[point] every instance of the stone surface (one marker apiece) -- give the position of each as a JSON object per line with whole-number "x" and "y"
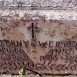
{"x": 31, "y": 75}
{"x": 36, "y": 43}
{"x": 38, "y": 4}
{"x": 38, "y": 39}
{"x": 39, "y": 14}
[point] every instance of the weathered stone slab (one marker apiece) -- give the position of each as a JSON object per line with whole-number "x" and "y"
{"x": 37, "y": 44}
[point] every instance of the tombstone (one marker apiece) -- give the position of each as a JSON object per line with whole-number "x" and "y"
{"x": 41, "y": 41}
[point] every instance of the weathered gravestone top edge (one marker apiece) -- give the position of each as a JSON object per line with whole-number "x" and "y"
{"x": 38, "y": 4}
{"x": 39, "y": 14}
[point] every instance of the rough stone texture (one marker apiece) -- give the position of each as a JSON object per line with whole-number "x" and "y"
{"x": 22, "y": 46}
{"x": 40, "y": 40}
{"x": 38, "y": 4}
{"x": 34, "y": 76}
{"x": 39, "y": 14}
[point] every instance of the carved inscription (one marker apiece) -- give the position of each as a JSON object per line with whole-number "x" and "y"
{"x": 13, "y": 57}
{"x": 33, "y": 29}
{"x": 65, "y": 51}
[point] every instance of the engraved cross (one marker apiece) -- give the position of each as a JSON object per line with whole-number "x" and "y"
{"x": 33, "y": 29}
